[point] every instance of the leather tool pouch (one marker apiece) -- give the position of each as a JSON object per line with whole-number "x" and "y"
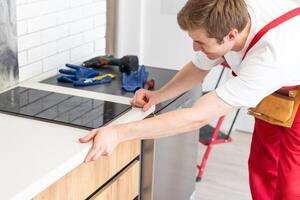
{"x": 279, "y": 108}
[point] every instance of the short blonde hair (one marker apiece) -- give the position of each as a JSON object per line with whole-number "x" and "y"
{"x": 217, "y": 17}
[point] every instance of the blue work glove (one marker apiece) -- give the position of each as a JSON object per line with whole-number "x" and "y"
{"x": 76, "y": 73}
{"x": 82, "y": 76}
{"x": 135, "y": 80}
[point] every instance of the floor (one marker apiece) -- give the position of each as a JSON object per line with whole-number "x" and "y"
{"x": 226, "y": 174}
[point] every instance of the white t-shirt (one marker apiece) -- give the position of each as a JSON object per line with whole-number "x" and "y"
{"x": 272, "y": 63}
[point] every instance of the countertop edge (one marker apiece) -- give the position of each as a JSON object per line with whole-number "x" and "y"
{"x": 48, "y": 179}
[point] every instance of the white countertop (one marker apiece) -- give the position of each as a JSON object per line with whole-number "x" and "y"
{"x": 34, "y": 154}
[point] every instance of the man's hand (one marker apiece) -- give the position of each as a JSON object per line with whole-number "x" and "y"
{"x": 145, "y": 99}
{"x": 104, "y": 139}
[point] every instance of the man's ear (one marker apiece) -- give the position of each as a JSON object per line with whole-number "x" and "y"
{"x": 232, "y": 35}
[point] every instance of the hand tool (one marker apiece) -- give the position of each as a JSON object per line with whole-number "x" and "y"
{"x": 102, "y": 79}
{"x": 126, "y": 63}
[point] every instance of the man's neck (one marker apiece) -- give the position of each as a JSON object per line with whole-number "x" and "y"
{"x": 242, "y": 38}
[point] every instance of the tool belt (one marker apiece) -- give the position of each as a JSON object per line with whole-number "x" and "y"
{"x": 279, "y": 108}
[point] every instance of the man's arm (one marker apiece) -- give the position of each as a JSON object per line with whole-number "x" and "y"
{"x": 184, "y": 80}
{"x": 206, "y": 109}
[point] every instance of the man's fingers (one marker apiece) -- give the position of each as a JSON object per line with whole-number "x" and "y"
{"x": 89, "y": 136}
{"x": 88, "y": 156}
{"x": 103, "y": 144}
{"x": 147, "y": 106}
{"x": 141, "y": 100}
{"x": 138, "y": 103}
{"x": 92, "y": 152}
{"x": 133, "y": 100}
{"x": 96, "y": 150}
{"x": 98, "y": 154}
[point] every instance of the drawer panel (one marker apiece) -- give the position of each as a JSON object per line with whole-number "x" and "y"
{"x": 88, "y": 177}
{"x": 125, "y": 186}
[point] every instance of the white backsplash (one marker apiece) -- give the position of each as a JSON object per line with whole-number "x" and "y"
{"x": 54, "y": 32}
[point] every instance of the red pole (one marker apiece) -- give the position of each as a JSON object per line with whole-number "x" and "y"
{"x": 208, "y": 149}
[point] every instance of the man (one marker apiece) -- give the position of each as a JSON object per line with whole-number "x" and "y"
{"x": 221, "y": 31}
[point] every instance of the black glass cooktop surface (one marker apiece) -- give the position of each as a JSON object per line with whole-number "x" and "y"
{"x": 60, "y": 108}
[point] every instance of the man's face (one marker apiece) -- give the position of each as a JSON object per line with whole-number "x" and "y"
{"x": 209, "y": 46}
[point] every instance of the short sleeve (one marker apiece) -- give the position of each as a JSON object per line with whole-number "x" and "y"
{"x": 202, "y": 62}
{"x": 257, "y": 77}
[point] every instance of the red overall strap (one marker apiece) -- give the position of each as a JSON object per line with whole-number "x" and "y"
{"x": 271, "y": 25}
{"x": 264, "y": 30}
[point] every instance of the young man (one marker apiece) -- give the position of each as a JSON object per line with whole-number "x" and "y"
{"x": 222, "y": 30}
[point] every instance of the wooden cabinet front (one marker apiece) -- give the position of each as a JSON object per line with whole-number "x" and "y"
{"x": 125, "y": 186}
{"x": 88, "y": 177}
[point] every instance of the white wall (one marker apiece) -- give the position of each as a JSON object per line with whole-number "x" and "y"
{"x": 164, "y": 44}
{"x": 54, "y": 32}
{"x": 129, "y": 27}
{"x": 142, "y": 29}
{"x": 149, "y": 29}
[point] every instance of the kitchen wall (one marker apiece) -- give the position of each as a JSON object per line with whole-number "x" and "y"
{"x": 54, "y": 32}
{"x": 129, "y": 31}
{"x": 8, "y": 44}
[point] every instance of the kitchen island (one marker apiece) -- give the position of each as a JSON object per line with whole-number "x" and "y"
{"x": 41, "y": 155}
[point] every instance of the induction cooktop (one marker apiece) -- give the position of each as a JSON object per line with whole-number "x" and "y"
{"x": 60, "y": 108}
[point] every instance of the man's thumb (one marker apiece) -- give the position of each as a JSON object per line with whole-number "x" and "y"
{"x": 147, "y": 106}
{"x": 89, "y": 136}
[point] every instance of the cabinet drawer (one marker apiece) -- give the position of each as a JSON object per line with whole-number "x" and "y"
{"x": 88, "y": 177}
{"x": 125, "y": 186}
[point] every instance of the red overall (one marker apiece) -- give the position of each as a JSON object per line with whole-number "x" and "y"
{"x": 274, "y": 162}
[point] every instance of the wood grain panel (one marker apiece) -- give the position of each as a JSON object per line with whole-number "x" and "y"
{"x": 88, "y": 177}
{"x": 125, "y": 186}
{"x": 111, "y": 17}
